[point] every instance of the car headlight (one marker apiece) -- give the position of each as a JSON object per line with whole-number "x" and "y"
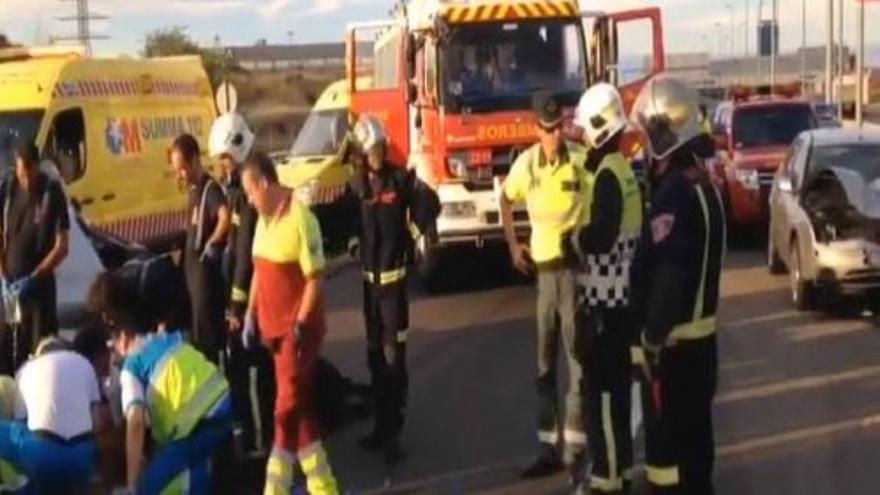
{"x": 459, "y": 209}
{"x": 748, "y": 178}
{"x": 306, "y": 193}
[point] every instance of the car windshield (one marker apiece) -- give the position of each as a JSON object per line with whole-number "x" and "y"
{"x": 493, "y": 67}
{"x": 322, "y": 133}
{"x": 15, "y": 126}
{"x": 863, "y": 158}
{"x": 770, "y": 125}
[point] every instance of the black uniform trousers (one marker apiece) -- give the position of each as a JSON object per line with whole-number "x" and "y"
{"x": 251, "y": 374}
{"x": 39, "y": 319}
{"x": 386, "y": 312}
{"x": 204, "y": 283}
{"x": 608, "y": 385}
{"x": 680, "y": 447}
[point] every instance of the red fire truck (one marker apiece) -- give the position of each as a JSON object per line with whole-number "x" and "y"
{"x": 453, "y": 80}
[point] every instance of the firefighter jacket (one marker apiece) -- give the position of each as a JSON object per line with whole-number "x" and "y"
{"x": 239, "y": 243}
{"x": 680, "y": 256}
{"x": 608, "y": 242}
{"x": 390, "y": 202}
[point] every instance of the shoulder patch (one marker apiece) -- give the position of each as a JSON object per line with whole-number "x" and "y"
{"x": 661, "y": 227}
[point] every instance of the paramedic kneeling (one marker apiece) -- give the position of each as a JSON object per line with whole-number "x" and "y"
{"x": 167, "y": 380}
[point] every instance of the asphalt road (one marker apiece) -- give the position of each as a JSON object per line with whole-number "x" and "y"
{"x": 798, "y": 409}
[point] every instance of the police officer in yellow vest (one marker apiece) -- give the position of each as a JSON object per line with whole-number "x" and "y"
{"x": 676, "y": 291}
{"x": 167, "y": 380}
{"x": 607, "y": 246}
{"x": 550, "y": 178}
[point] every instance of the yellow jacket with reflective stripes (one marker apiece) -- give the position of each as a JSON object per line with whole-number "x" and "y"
{"x": 184, "y": 387}
{"x": 555, "y": 193}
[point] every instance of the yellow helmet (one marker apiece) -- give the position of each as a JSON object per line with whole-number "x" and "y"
{"x": 667, "y": 115}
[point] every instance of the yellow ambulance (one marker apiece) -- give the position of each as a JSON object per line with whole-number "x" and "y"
{"x": 108, "y": 123}
{"x": 314, "y": 167}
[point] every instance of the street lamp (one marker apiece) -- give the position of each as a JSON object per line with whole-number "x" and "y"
{"x": 860, "y": 65}
{"x": 803, "y": 47}
{"x": 732, "y": 29}
{"x": 829, "y": 51}
{"x": 719, "y": 33}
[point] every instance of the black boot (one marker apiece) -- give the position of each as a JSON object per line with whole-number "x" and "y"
{"x": 393, "y": 451}
{"x": 546, "y": 464}
{"x": 373, "y": 442}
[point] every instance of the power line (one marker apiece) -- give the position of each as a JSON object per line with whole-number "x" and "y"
{"x": 83, "y": 18}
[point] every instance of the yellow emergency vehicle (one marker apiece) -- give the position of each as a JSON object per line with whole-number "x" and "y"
{"x": 314, "y": 167}
{"x": 108, "y": 123}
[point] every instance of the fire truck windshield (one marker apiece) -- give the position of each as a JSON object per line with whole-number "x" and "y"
{"x": 321, "y": 134}
{"x": 493, "y": 67}
{"x": 15, "y": 126}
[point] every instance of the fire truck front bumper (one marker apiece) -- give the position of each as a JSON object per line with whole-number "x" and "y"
{"x": 470, "y": 216}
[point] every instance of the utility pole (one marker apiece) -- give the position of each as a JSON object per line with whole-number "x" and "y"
{"x": 860, "y": 66}
{"x": 829, "y": 51}
{"x": 760, "y": 57}
{"x": 746, "y": 33}
{"x": 841, "y": 57}
{"x": 732, "y": 30}
{"x": 774, "y": 43}
{"x": 803, "y": 47}
{"x": 83, "y": 19}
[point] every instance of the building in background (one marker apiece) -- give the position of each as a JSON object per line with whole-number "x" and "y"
{"x": 306, "y": 56}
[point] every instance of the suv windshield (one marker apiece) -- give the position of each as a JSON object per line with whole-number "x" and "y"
{"x": 496, "y": 67}
{"x": 770, "y": 125}
{"x": 14, "y": 126}
{"x": 858, "y": 157}
{"x": 322, "y": 133}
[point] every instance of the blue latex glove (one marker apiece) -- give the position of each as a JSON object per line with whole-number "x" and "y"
{"x": 212, "y": 253}
{"x": 21, "y": 287}
{"x": 249, "y": 332}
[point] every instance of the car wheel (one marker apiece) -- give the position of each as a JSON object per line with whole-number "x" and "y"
{"x": 774, "y": 263}
{"x": 801, "y": 289}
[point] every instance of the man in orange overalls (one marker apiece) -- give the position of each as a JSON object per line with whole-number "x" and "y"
{"x": 286, "y": 301}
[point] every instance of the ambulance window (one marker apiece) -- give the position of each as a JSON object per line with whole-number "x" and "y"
{"x": 634, "y": 50}
{"x": 66, "y": 145}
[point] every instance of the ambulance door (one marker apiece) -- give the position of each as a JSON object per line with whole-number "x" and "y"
{"x": 387, "y": 94}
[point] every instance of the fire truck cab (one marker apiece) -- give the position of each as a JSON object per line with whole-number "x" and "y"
{"x": 453, "y": 81}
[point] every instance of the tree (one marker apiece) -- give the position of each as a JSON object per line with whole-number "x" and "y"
{"x": 174, "y": 41}
{"x": 4, "y": 41}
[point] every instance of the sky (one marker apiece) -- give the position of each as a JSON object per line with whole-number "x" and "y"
{"x": 691, "y": 25}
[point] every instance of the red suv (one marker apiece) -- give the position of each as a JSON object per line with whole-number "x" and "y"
{"x": 753, "y": 138}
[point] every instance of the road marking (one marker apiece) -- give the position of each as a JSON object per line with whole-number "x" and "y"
{"x": 799, "y": 435}
{"x": 797, "y": 384}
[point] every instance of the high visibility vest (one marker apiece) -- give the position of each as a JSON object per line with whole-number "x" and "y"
{"x": 183, "y": 389}
{"x": 608, "y": 274}
{"x": 555, "y": 198}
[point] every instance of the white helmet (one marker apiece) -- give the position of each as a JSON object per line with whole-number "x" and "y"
{"x": 369, "y": 132}
{"x": 666, "y": 113}
{"x": 600, "y": 114}
{"x": 230, "y": 135}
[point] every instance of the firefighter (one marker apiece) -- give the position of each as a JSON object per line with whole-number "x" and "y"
{"x": 676, "y": 289}
{"x": 166, "y": 385}
{"x": 250, "y": 372}
{"x": 607, "y": 246}
{"x": 34, "y": 226}
{"x": 391, "y": 201}
{"x": 286, "y": 302}
{"x": 551, "y": 179}
{"x": 206, "y": 230}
